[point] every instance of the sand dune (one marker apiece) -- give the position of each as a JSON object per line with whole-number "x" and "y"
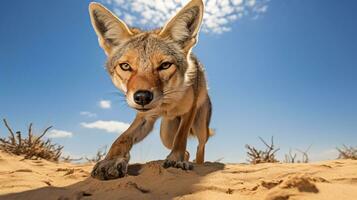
{"x": 40, "y": 179}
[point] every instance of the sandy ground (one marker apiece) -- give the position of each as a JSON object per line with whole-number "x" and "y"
{"x": 40, "y": 179}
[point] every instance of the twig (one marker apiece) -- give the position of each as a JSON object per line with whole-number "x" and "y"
{"x": 44, "y": 132}
{"x": 12, "y": 138}
{"x": 30, "y": 134}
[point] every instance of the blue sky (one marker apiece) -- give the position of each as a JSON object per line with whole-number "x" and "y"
{"x": 289, "y": 71}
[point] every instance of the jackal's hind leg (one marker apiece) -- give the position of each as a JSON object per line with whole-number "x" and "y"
{"x": 178, "y": 151}
{"x": 168, "y": 130}
{"x": 201, "y": 130}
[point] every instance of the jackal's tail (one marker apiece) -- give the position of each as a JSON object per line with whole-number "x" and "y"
{"x": 211, "y": 132}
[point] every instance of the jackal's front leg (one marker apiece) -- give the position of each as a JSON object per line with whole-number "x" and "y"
{"x": 177, "y": 156}
{"x": 115, "y": 164}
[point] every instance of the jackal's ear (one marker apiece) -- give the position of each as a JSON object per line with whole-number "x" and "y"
{"x": 185, "y": 25}
{"x": 110, "y": 29}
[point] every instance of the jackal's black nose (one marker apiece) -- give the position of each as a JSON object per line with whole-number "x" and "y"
{"x": 143, "y": 97}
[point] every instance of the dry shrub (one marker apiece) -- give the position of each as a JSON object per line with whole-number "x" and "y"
{"x": 99, "y": 156}
{"x": 262, "y": 156}
{"x": 101, "y": 153}
{"x": 347, "y": 152}
{"x": 305, "y": 155}
{"x": 291, "y": 157}
{"x": 32, "y": 147}
{"x": 69, "y": 159}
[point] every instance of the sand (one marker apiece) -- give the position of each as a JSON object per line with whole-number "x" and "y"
{"x": 40, "y": 179}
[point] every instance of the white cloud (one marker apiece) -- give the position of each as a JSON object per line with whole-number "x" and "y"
{"x": 219, "y": 14}
{"x": 59, "y": 134}
{"x": 262, "y": 9}
{"x": 88, "y": 114}
{"x": 105, "y": 104}
{"x": 108, "y": 126}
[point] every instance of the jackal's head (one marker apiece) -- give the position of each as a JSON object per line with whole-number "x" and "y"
{"x": 152, "y": 68}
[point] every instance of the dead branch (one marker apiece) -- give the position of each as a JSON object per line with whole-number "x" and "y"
{"x": 219, "y": 159}
{"x": 30, "y": 134}
{"x": 44, "y": 133}
{"x": 12, "y": 136}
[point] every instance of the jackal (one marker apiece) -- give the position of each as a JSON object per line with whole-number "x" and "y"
{"x": 160, "y": 77}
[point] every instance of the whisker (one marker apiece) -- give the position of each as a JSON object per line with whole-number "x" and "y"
{"x": 173, "y": 89}
{"x": 117, "y": 94}
{"x": 173, "y": 92}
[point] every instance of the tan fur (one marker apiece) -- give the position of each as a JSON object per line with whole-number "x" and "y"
{"x": 180, "y": 94}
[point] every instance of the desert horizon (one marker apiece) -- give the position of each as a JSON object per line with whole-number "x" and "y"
{"x": 31, "y": 168}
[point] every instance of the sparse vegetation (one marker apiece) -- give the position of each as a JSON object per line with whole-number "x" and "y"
{"x": 69, "y": 159}
{"x": 347, "y": 152}
{"x": 99, "y": 156}
{"x": 262, "y": 156}
{"x": 305, "y": 156}
{"x": 101, "y": 153}
{"x": 292, "y": 157}
{"x": 31, "y": 147}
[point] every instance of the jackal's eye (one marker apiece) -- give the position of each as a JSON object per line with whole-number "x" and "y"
{"x": 165, "y": 65}
{"x": 125, "y": 66}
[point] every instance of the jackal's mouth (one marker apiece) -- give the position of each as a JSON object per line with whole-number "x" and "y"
{"x": 143, "y": 109}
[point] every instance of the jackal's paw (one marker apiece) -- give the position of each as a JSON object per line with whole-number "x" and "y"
{"x": 185, "y": 165}
{"x": 110, "y": 169}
